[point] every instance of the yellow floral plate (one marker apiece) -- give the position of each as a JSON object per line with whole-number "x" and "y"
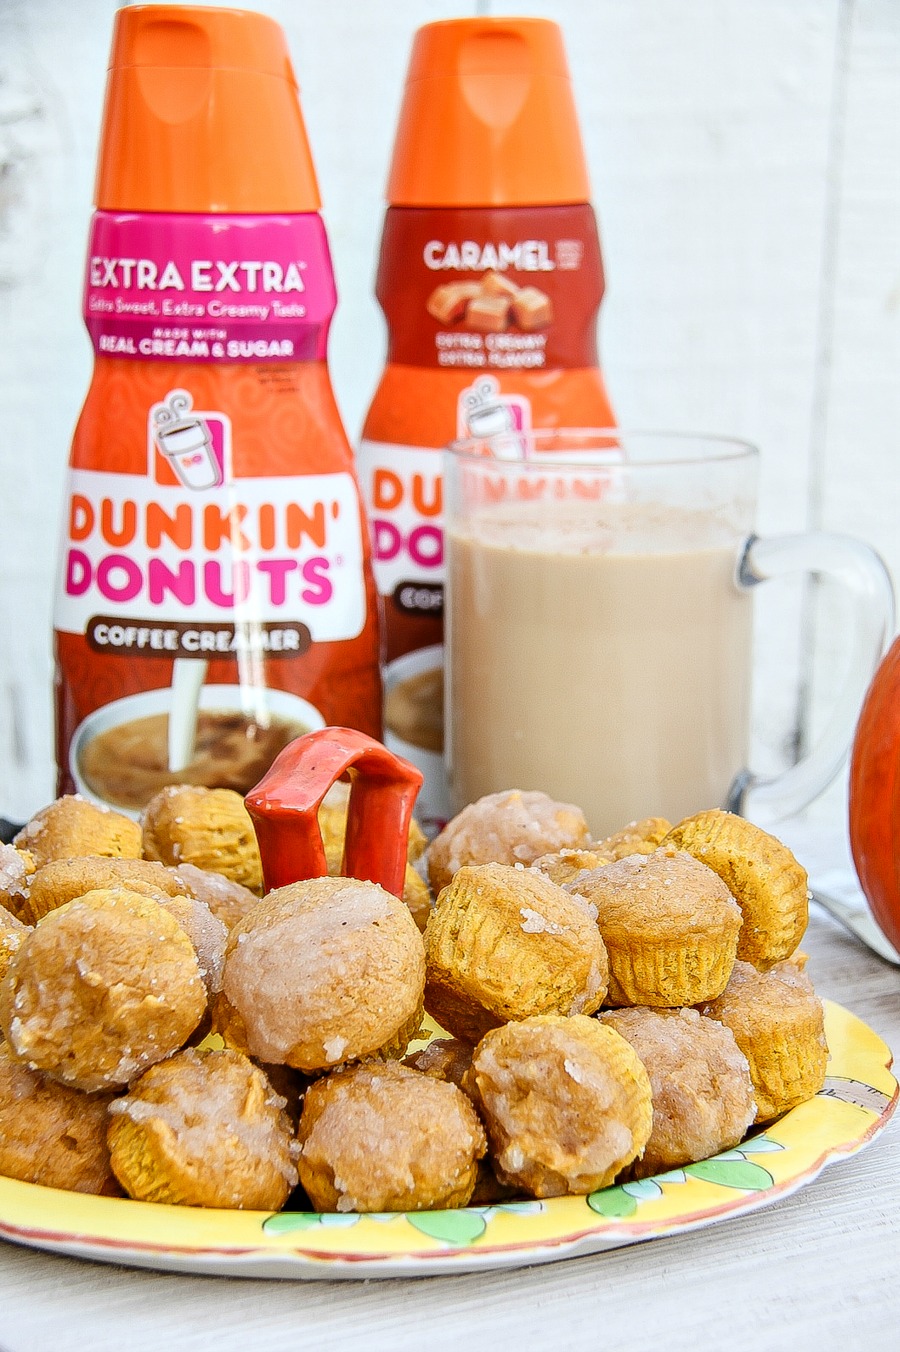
{"x": 858, "y": 1098}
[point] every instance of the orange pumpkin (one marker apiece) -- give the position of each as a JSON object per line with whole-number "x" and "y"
{"x": 875, "y": 795}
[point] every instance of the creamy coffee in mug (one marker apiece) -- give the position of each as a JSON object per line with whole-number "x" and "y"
{"x": 599, "y": 631}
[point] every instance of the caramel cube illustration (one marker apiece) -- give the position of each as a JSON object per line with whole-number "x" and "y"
{"x": 532, "y": 309}
{"x": 448, "y": 303}
{"x": 495, "y": 284}
{"x": 488, "y": 314}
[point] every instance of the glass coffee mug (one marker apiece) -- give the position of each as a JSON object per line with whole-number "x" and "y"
{"x": 599, "y": 624}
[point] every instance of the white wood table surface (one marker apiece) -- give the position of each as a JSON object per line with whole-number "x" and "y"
{"x": 819, "y": 1270}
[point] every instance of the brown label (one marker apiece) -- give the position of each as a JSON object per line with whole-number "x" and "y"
{"x": 119, "y": 636}
{"x": 418, "y": 598}
{"x": 494, "y": 289}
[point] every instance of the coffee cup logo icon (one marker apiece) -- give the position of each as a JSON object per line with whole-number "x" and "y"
{"x": 483, "y": 411}
{"x": 486, "y": 412}
{"x": 183, "y": 437}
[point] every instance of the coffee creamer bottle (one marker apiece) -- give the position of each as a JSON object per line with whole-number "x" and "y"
{"x": 490, "y": 278}
{"x": 215, "y": 595}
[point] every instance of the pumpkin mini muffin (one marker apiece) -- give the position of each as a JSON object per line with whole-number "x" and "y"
{"x": 16, "y": 870}
{"x": 210, "y": 828}
{"x": 565, "y": 1103}
{"x": 670, "y": 926}
{"x": 207, "y": 934}
{"x": 204, "y": 1128}
{"x": 763, "y": 876}
{"x": 63, "y": 880}
{"x": 100, "y": 989}
{"x": 504, "y": 828}
{"x": 636, "y": 838}
{"x": 229, "y": 901}
{"x": 52, "y": 1135}
{"x": 506, "y": 943}
{"x": 72, "y": 826}
{"x": 12, "y": 936}
{"x": 640, "y": 837}
{"x": 702, "y": 1093}
{"x": 383, "y": 1137}
{"x": 779, "y": 1024}
{"x": 564, "y": 866}
{"x": 321, "y": 972}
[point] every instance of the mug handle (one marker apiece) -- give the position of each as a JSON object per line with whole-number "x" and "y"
{"x": 862, "y": 573}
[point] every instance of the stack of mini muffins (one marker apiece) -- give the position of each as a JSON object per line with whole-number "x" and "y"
{"x": 614, "y": 1008}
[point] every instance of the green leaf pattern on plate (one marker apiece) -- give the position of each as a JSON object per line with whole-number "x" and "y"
{"x": 286, "y": 1222}
{"x": 731, "y": 1169}
{"x": 642, "y": 1188}
{"x": 759, "y": 1145}
{"x": 614, "y": 1203}
{"x": 530, "y": 1206}
{"x": 463, "y": 1226}
{"x": 742, "y": 1174}
{"x": 455, "y": 1227}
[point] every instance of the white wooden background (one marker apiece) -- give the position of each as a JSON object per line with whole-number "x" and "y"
{"x": 745, "y": 160}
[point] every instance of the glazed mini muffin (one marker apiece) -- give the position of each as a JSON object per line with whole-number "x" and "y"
{"x": 446, "y": 1058}
{"x": 209, "y": 828}
{"x": 63, "y": 880}
{"x": 506, "y": 943}
{"x": 779, "y": 1024}
{"x": 565, "y": 1103}
{"x": 52, "y": 1135}
{"x": 763, "y": 876}
{"x": 101, "y": 989}
{"x": 504, "y": 828}
{"x": 641, "y": 837}
{"x": 207, "y": 934}
{"x": 636, "y": 838}
{"x": 16, "y": 870}
{"x": 229, "y": 901}
{"x": 12, "y": 935}
{"x": 72, "y": 826}
{"x": 702, "y": 1093}
{"x": 204, "y": 1128}
{"x": 564, "y": 866}
{"x": 383, "y": 1137}
{"x": 322, "y": 972}
{"x": 670, "y": 926}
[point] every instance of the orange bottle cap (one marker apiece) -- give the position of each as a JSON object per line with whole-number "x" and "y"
{"x": 202, "y": 114}
{"x": 488, "y": 118}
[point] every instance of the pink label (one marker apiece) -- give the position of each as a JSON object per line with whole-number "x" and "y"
{"x": 209, "y": 288}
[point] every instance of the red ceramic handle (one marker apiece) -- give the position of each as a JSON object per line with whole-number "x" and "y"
{"x": 285, "y": 806}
